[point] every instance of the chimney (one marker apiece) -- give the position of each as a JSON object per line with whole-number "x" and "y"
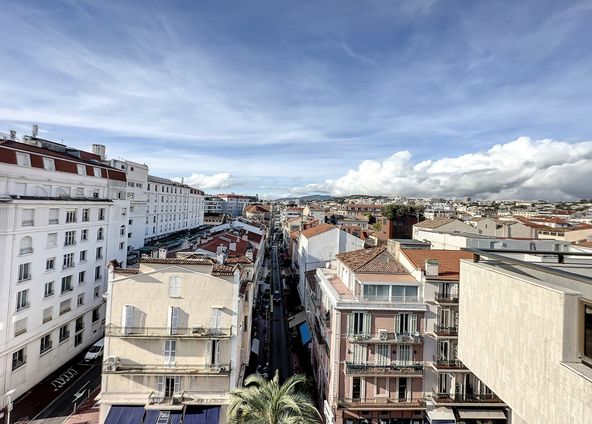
{"x": 13, "y": 135}
{"x": 232, "y": 246}
{"x": 162, "y": 253}
{"x": 249, "y": 253}
{"x": 35, "y": 130}
{"x": 99, "y": 150}
{"x": 221, "y": 254}
{"x": 432, "y": 268}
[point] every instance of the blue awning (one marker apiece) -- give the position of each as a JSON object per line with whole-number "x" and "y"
{"x": 152, "y": 416}
{"x": 125, "y": 415}
{"x": 202, "y": 415}
{"x": 305, "y": 333}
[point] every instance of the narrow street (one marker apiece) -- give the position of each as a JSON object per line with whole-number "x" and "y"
{"x": 280, "y": 349}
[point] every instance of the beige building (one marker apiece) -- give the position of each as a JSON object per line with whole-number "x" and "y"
{"x": 177, "y": 337}
{"x": 534, "y": 320}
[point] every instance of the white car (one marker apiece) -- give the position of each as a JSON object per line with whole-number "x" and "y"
{"x": 95, "y": 351}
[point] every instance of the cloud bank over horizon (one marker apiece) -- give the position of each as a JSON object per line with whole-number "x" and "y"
{"x": 520, "y": 169}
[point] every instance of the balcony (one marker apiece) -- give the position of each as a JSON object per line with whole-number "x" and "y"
{"x": 380, "y": 403}
{"x": 446, "y": 330}
{"x": 446, "y": 298}
{"x": 448, "y": 364}
{"x": 385, "y": 337}
{"x": 128, "y": 367}
{"x": 400, "y": 368}
{"x": 472, "y": 398}
{"x": 149, "y": 332}
{"x": 390, "y": 299}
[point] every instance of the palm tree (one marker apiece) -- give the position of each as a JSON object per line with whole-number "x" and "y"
{"x": 267, "y": 402}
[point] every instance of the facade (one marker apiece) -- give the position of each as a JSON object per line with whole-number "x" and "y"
{"x": 534, "y": 320}
{"x": 184, "y": 352}
{"x": 442, "y": 225}
{"x": 172, "y": 207}
{"x": 61, "y": 210}
{"x": 234, "y": 204}
{"x": 257, "y": 213}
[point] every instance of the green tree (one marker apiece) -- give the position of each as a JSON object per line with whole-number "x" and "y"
{"x": 393, "y": 211}
{"x": 269, "y": 402}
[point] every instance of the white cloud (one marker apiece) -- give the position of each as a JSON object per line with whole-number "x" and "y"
{"x": 208, "y": 182}
{"x": 523, "y": 168}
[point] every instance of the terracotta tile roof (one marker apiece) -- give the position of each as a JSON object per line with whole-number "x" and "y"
{"x": 256, "y": 209}
{"x": 176, "y": 261}
{"x": 220, "y": 269}
{"x": 449, "y": 260}
{"x": 584, "y": 244}
{"x": 434, "y": 223}
{"x": 238, "y": 260}
{"x": 294, "y": 234}
{"x": 319, "y": 229}
{"x": 376, "y": 260}
{"x": 126, "y": 270}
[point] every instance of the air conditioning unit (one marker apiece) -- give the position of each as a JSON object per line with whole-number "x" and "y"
{"x": 112, "y": 360}
{"x": 383, "y": 334}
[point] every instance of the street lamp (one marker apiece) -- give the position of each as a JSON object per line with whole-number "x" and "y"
{"x": 9, "y": 405}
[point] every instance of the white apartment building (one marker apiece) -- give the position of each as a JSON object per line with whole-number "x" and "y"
{"x": 58, "y": 228}
{"x": 183, "y": 353}
{"x": 234, "y": 204}
{"x": 172, "y": 207}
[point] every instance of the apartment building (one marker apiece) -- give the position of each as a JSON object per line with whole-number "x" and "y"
{"x": 534, "y": 320}
{"x": 179, "y": 357}
{"x": 367, "y": 316}
{"x": 172, "y": 207}
{"x": 60, "y": 215}
{"x": 234, "y": 204}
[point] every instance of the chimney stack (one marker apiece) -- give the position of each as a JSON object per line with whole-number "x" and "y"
{"x": 99, "y": 150}
{"x": 13, "y": 135}
{"x": 432, "y": 268}
{"x": 162, "y": 253}
{"x": 35, "y": 130}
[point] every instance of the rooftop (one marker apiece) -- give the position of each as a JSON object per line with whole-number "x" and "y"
{"x": 319, "y": 229}
{"x": 376, "y": 260}
{"x": 434, "y": 223}
{"x": 449, "y": 261}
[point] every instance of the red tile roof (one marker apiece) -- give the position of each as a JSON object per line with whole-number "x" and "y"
{"x": 319, "y": 229}
{"x": 449, "y": 261}
{"x": 376, "y": 260}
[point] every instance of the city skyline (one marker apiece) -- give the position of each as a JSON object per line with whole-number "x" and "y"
{"x": 416, "y": 98}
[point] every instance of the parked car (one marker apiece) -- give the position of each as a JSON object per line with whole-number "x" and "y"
{"x": 95, "y": 351}
{"x": 276, "y": 296}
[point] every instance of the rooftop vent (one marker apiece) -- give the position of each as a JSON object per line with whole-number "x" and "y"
{"x": 432, "y": 268}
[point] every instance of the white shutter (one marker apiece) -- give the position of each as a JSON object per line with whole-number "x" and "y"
{"x": 215, "y": 324}
{"x": 177, "y": 385}
{"x": 350, "y": 323}
{"x": 160, "y": 385}
{"x": 209, "y": 352}
{"x": 127, "y": 319}
{"x": 398, "y": 323}
{"x": 216, "y": 345}
{"x": 173, "y": 320}
{"x": 367, "y": 324}
{"x": 412, "y": 324}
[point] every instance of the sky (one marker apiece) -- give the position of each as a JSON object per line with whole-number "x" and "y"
{"x": 489, "y": 99}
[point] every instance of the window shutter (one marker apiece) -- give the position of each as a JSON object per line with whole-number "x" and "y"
{"x": 208, "y": 352}
{"x": 217, "y": 356}
{"x": 367, "y": 324}
{"x": 173, "y": 319}
{"x": 127, "y": 319}
{"x": 412, "y": 324}
{"x": 350, "y": 323}
{"x": 177, "y": 385}
{"x": 398, "y": 323}
{"x": 160, "y": 385}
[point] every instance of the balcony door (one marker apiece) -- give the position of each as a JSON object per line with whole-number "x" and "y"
{"x": 169, "y": 386}
{"x": 404, "y": 355}
{"x": 443, "y": 350}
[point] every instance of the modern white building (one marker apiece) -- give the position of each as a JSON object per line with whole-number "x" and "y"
{"x": 172, "y": 207}
{"x": 234, "y": 204}
{"x": 60, "y": 214}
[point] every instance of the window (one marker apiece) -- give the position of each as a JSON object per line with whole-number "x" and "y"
{"x": 356, "y": 388}
{"x": 100, "y": 233}
{"x": 382, "y": 354}
{"x": 19, "y": 358}
{"x": 28, "y": 217}
{"x": 47, "y": 314}
{"x": 214, "y": 352}
{"x": 48, "y": 164}
{"x": 78, "y": 339}
{"x": 54, "y": 216}
{"x": 121, "y": 245}
{"x": 85, "y": 214}
{"x": 359, "y": 323}
{"x": 101, "y": 214}
{"x": 175, "y": 286}
{"x": 404, "y": 354}
{"x": 95, "y": 194}
{"x": 170, "y": 351}
{"x": 167, "y": 387}
{"x": 52, "y": 239}
{"x": 50, "y": 264}
{"x": 24, "y": 272}
{"x": 96, "y": 314}
{"x": 79, "y": 191}
{"x": 402, "y": 389}
{"x": 68, "y": 260}
{"x": 64, "y": 333}
{"x": 80, "y": 300}
{"x": 123, "y": 211}
{"x": 79, "y": 324}
{"x": 122, "y": 230}
{"x": 99, "y": 253}
{"x": 23, "y": 159}
{"x": 81, "y": 169}
{"x": 588, "y": 333}
{"x": 70, "y": 216}
{"x": 97, "y": 172}
{"x": 26, "y": 246}
{"x": 65, "y": 306}
{"x": 67, "y": 284}
{"x": 82, "y": 255}
{"x": 173, "y": 320}
{"x": 20, "y": 327}
{"x": 83, "y": 235}
{"x": 216, "y": 319}
{"x": 48, "y": 289}
{"x": 81, "y": 276}
{"x": 22, "y": 300}
{"x": 70, "y": 238}
{"x": 97, "y": 273}
{"x": 406, "y": 323}
{"x": 45, "y": 344}
{"x": 97, "y": 292}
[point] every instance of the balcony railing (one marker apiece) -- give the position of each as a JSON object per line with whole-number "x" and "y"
{"x": 448, "y": 363}
{"x": 446, "y": 298}
{"x": 123, "y": 367}
{"x": 390, "y": 299}
{"x": 194, "y": 332}
{"x": 446, "y": 330}
{"x": 385, "y": 337}
{"x": 382, "y": 403}
{"x": 407, "y": 368}
{"x": 162, "y": 398}
{"x": 465, "y": 397}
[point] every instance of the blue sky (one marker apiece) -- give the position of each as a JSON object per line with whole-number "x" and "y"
{"x": 283, "y": 97}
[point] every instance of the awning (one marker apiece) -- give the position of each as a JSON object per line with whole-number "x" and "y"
{"x": 255, "y": 346}
{"x": 441, "y": 416}
{"x": 152, "y": 416}
{"x": 305, "y": 333}
{"x": 481, "y": 414}
{"x": 202, "y": 415}
{"x": 125, "y": 415}
{"x": 297, "y": 319}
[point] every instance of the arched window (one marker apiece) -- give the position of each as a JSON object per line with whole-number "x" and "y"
{"x": 122, "y": 230}
{"x": 26, "y": 245}
{"x": 100, "y": 234}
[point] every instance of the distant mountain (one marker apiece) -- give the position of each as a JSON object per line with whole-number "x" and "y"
{"x": 309, "y": 198}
